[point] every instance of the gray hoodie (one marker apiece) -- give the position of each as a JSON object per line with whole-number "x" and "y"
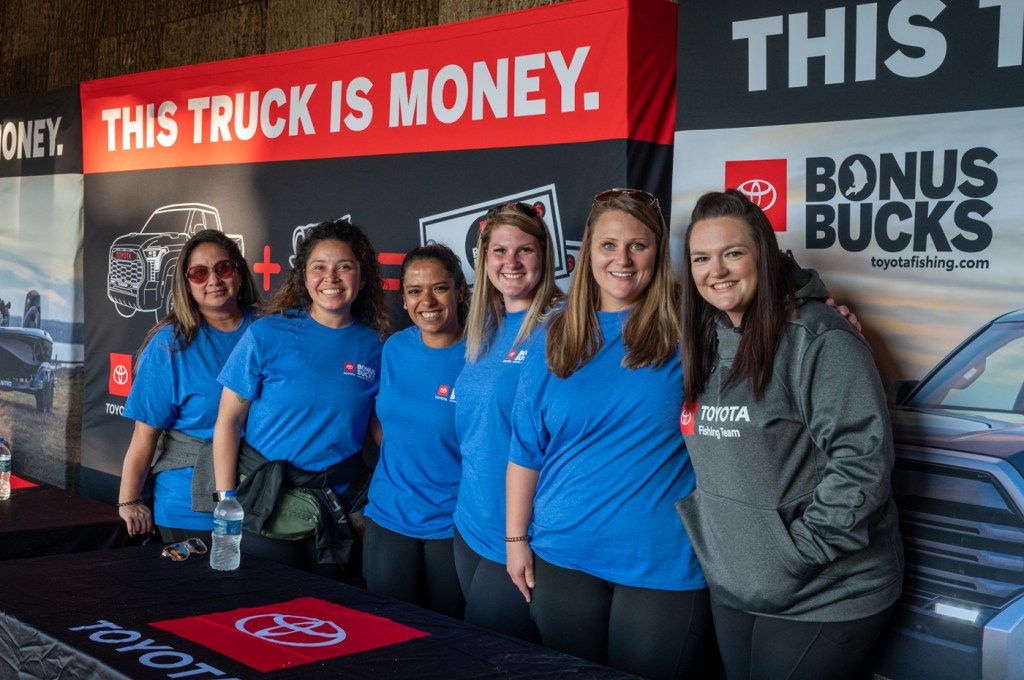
{"x": 792, "y": 515}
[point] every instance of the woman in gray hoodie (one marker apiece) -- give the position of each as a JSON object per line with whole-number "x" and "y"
{"x": 786, "y": 422}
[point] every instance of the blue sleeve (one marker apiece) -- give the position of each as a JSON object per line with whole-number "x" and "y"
{"x": 151, "y": 400}
{"x": 242, "y": 372}
{"x": 530, "y": 437}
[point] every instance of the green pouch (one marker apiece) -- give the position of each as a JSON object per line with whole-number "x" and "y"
{"x": 294, "y": 517}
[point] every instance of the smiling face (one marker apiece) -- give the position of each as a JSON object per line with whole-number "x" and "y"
{"x": 431, "y": 297}
{"x": 333, "y": 281}
{"x": 215, "y": 295}
{"x": 723, "y": 263}
{"x": 623, "y": 254}
{"x": 514, "y": 266}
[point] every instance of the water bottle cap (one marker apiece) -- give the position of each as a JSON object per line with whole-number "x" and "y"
{"x": 230, "y": 494}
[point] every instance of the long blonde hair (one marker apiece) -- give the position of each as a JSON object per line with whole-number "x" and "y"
{"x": 487, "y": 309}
{"x": 651, "y": 334}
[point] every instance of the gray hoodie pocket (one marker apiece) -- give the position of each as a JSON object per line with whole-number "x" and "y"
{"x": 748, "y": 557}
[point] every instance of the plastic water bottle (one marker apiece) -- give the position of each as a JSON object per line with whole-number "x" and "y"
{"x": 5, "y": 470}
{"x": 227, "y": 533}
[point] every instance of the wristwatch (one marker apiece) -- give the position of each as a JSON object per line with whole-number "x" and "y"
{"x": 218, "y": 496}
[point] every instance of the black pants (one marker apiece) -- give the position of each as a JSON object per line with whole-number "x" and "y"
{"x": 421, "y": 571}
{"x": 492, "y": 600}
{"x": 647, "y": 632}
{"x": 300, "y": 554}
{"x": 173, "y": 535}
{"x": 769, "y": 648}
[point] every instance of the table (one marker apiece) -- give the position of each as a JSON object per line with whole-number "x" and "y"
{"x": 130, "y": 613}
{"x": 41, "y": 519}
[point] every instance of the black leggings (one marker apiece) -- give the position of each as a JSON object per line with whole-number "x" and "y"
{"x": 769, "y": 648}
{"x": 300, "y": 554}
{"x": 421, "y": 571}
{"x": 492, "y": 600}
{"x": 647, "y": 632}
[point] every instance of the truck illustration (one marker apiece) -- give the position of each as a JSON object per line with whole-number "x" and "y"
{"x": 141, "y": 264}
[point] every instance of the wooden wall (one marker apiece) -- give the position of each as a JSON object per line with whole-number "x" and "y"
{"x": 47, "y": 44}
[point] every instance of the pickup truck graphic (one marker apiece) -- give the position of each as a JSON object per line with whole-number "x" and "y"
{"x": 141, "y": 264}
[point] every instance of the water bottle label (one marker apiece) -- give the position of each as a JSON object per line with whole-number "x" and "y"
{"x": 5, "y": 465}
{"x": 227, "y": 527}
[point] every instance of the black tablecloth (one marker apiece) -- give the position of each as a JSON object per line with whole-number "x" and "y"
{"x": 46, "y": 520}
{"x": 109, "y": 614}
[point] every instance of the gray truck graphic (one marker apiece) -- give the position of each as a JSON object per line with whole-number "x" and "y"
{"x": 141, "y": 264}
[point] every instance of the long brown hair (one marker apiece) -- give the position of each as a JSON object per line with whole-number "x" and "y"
{"x": 185, "y": 316}
{"x": 368, "y": 307}
{"x": 764, "y": 320}
{"x": 651, "y": 334}
{"x": 487, "y": 308}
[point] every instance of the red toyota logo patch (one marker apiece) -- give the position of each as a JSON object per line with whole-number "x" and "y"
{"x": 289, "y": 634}
{"x": 120, "y": 381}
{"x": 687, "y": 419}
{"x": 765, "y": 183}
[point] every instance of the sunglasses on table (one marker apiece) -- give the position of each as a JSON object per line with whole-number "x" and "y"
{"x": 180, "y": 551}
{"x": 201, "y": 273}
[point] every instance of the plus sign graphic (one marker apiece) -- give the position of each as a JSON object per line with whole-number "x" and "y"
{"x": 266, "y": 268}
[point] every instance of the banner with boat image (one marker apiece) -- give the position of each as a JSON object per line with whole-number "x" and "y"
{"x": 41, "y": 301}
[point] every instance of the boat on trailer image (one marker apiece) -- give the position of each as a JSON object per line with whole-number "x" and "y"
{"x": 25, "y": 354}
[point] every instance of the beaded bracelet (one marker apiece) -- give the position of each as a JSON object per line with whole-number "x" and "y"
{"x": 127, "y": 503}
{"x": 516, "y": 539}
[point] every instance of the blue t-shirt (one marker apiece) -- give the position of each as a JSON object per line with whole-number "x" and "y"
{"x": 312, "y": 387}
{"x": 416, "y": 480}
{"x": 486, "y": 391}
{"x": 177, "y": 389}
{"x": 612, "y": 465}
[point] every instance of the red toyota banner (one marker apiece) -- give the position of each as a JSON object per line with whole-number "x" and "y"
{"x": 290, "y": 634}
{"x": 413, "y": 136}
{"x": 552, "y": 75}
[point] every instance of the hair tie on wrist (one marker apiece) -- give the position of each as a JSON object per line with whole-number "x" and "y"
{"x": 137, "y": 501}
{"x": 516, "y": 539}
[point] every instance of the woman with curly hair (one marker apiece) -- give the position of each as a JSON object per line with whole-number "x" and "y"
{"x": 301, "y": 385}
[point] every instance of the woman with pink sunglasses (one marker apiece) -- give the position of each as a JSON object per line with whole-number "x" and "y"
{"x": 175, "y": 394}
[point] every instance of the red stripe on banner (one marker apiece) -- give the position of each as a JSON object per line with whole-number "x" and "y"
{"x": 391, "y": 258}
{"x": 288, "y": 634}
{"x": 550, "y": 75}
{"x": 653, "y": 30}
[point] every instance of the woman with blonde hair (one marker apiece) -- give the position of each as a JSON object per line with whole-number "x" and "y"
{"x": 597, "y": 460}
{"x": 514, "y": 289}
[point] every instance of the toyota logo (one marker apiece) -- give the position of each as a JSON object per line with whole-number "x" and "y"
{"x": 120, "y": 375}
{"x": 760, "y": 192}
{"x": 685, "y": 417}
{"x": 291, "y": 630}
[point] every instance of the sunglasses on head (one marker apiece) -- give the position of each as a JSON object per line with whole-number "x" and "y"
{"x": 524, "y": 208}
{"x": 180, "y": 551}
{"x": 638, "y": 194}
{"x": 201, "y": 273}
